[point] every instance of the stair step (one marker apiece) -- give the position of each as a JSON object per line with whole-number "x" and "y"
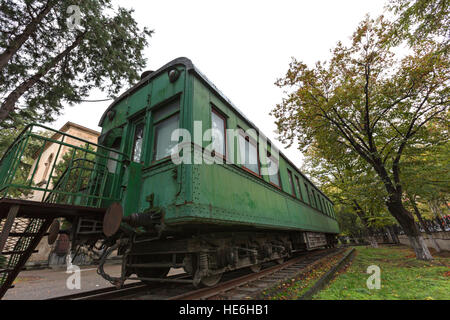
{"x": 17, "y": 252}
{"x": 5, "y": 270}
{"x": 22, "y": 234}
{"x": 155, "y": 265}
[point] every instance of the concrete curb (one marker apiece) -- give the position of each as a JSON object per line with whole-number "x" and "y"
{"x": 327, "y": 277}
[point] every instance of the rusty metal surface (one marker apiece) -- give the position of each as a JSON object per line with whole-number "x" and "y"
{"x": 222, "y": 288}
{"x": 112, "y": 219}
{"x": 35, "y": 209}
{"x": 23, "y": 257}
{"x": 6, "y": 227}
{"x": 53, "y": 232}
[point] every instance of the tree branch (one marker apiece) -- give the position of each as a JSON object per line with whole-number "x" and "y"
{"x": 9, "y": 104}
{"x": 18, "y": 41}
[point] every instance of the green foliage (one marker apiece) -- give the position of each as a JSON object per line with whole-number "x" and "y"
{"x": 370, "y": 105}
{"x": 74, "y": 171}
{"x": 349, "y": 223}
{"x": 8, "y": 137}
{"x": 352, "y": 185}
{"x": 428, "y": 164}
{"x": 44, "y": 63}
{"x": 422, "y": 19}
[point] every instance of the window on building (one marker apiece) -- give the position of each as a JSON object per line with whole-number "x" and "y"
{"x": 47, "y": 165}
{"x": 248, "y": 150}
{"x": 273, "y": 163}
{"x": 298, "y": 188}
{"x": 291, "y": 182}
{"x": 218, "y": 126}
{"x": 163, "y": 133}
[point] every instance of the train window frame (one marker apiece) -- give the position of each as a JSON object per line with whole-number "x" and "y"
{"x": 167, "y": 105}
{"x": 291, "y": 182}
{"x": 272, "y": 158}
{"x": 216, "y": 112}
{"x": 307, "y": 193}
{"x": 317, "y": 200}
{"x": 299, "y": 188}
{"x": 251, "y": 141}
{"x": 136, "y": 124}
{"x": 325, "y": 203}
{"x": 313, "y": 197}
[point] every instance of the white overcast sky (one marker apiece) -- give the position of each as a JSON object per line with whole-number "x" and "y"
{"x": 241, "y": 46}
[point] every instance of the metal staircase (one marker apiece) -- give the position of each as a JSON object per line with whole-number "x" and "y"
{"x": 18, "y": 240}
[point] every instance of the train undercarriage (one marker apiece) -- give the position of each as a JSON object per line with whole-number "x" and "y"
{"x": 206, "y": 257}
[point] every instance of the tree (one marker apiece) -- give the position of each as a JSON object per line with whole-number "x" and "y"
{"x": 46, "y": 60}
{"x": 22, "y": 173}
{"x": 425, "y": 175}
{"x": 74, "y": 173}
{"x": 370, "y": 103}
{"x": 350, "y": 183}
{"x": 421, "y": 19}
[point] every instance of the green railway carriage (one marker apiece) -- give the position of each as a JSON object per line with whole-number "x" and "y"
{"x": 207, "y": 218}
{"x": 228, "y": 194}
{"x": 195, "y": 199}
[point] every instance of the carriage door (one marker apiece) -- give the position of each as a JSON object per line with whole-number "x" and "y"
{"x": 133, "y": 174}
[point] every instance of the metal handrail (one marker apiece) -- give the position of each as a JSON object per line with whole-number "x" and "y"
{"x": 12, "y": 179}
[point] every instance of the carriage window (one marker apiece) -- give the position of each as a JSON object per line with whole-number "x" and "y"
{"x": 165, "y": 111}
{"x": 163, "y": 133}
{"x": 291, "y": 182}
{"x": 137, "y": 142}
{"x": 218, "y": 127}
{"x": 299, "y": 189}
{"x": 320, "y": 202}
{"x": 273, "y": 178}
{"x": 248, "y": 153}
{"x": 316, "y": 205}
{"x": 113, "y": 156}
{"x": 312, "y": 199}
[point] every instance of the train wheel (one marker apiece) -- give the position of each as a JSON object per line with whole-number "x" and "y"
{"x": 211, "y": 280}
{"x": 280, "y": 261}
{"x": 255, "y": 268}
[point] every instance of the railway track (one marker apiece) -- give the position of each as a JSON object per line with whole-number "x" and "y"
{"x": 250, "y": 286}
{"x": 241, "y": 284}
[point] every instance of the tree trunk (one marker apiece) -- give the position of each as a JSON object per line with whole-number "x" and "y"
{"x": 393, "y": 235}
{"x": 424, "y": 226}
{"x": 406, "y": 221}
{"x": 361, "y": 214}
{"x": 373, "y": 241}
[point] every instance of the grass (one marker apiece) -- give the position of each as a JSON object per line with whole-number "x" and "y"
{"x": 403, "y": 277}
{"x": 296, "y": 287}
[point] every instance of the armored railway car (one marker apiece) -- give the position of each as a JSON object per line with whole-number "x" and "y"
{"x": 202, "y": 200}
